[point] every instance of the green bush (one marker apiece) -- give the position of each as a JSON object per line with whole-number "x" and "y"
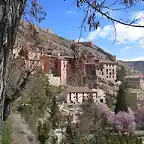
{"x": 7, "y": 132}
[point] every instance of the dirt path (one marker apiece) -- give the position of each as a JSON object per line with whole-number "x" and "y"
{"x": 21, "y": 133}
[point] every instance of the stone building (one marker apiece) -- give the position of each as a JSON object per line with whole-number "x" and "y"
{"x": 135, "y": 81}
{"x": 62, "y": 70}
{"x": 57, "y": 65}
{"x": 107, "y": 71}
{"x": 103, "y": 69}
{"x": 78, "y": 95}
{"x": 99, "y": 95}
{"x": 88, "y": 44}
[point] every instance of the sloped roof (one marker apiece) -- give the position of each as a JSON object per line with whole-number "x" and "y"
{"x": 77, "y": 89}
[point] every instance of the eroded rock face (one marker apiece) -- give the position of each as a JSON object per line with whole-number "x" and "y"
{"x": 21, "y": 132}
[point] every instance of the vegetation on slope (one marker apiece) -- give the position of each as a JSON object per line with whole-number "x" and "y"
{"x": 40, "y": 109}
{"x": 7, "y": 132}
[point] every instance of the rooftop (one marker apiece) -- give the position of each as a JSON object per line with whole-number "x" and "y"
{"x": 108, "y": 62}
{"x": 77, "y": 89}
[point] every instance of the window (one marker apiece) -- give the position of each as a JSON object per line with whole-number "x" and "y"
{"x": 71, "y": 101}
{"x": 95, "y": 94}
{"x": 77, "y": 97}
{"x": 64, "y": 64}
{"x": 102, "y": 73}
{"x": 101, "y": 100}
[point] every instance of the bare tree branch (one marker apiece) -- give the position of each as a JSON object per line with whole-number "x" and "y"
{"x": 98, "y": 8}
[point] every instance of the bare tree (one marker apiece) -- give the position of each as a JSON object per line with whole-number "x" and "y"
{"x": 77, "y": 65}
{"x": 11, "y": 12}
{"x": 24, "y": 65}
{"x": 102, "y": 9}
{"x": 10, "y": 15}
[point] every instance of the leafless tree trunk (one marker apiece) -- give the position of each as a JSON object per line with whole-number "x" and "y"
{"x": 10, "y": 15}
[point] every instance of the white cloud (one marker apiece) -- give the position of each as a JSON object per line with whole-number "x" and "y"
{"x": 133, "y": 59}
{"x": 141, "y": 42}
{"x": 139, "y": 15}
{"x": 102, "y": 33}
{"x": 93, "y": 35}
{"x": 124, "y": 34}
{"x": 125, "y": 48}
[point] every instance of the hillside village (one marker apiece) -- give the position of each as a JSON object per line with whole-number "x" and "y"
{"x": 80, "y": 81}
{"x": 55, "y": 57}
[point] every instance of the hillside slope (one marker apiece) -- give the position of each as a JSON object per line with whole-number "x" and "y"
{"x": 21, "y": 133}
{"x": 51, "y": 43}
{"x": 137, "y": 65}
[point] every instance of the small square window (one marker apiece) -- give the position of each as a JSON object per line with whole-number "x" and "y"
{"x": 101, "y": 100}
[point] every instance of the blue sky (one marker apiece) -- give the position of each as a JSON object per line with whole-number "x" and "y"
{"x": 64, "y": 18}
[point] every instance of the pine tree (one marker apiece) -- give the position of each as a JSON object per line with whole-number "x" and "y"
{"x": 52, "y": 105}
{"x": 45, "y": 102}
{"x": 120, "y": 76}
{"x": 54, "y": 113}
{"x": 121, "y": 104}
{"x": 121, "y": 73}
